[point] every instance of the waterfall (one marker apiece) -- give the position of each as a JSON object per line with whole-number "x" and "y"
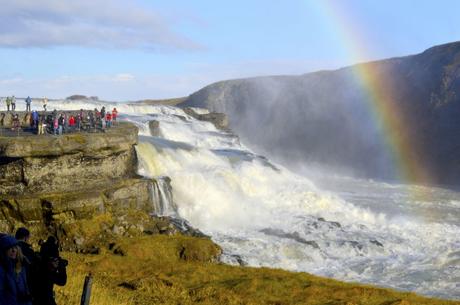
{"x": 264, "y": 215}
{"x": 162, "y": 199}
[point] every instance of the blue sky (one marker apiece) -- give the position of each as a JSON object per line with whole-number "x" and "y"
{"x": 136, "y": 49}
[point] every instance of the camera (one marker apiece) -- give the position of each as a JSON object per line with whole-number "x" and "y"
{"x": 62, "y": 263}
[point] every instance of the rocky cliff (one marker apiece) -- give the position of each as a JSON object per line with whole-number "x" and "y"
{"x": 50, "y": 182}
{"x": 329, "y": 118}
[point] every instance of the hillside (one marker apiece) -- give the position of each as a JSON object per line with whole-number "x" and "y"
{"x": 329, "y": 118}
{"x": 182, "y": 270}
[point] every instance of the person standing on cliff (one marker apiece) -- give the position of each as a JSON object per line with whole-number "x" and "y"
{"x": 61, "y": 122}
{"x": 13, "y": 103}
{"x": 55, "y": 125}
{"x": 42, "y": 125}
{"x": 114, "y": 115}
{"x": 45, "y": 102}
{"x": 103, "y": 117}
{"x": 8, "y": 103}
{"x": 28, "y": 102}
{"x": 35, "y": 120}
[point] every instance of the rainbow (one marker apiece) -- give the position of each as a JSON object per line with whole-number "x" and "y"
{"x": 396, "y": 129}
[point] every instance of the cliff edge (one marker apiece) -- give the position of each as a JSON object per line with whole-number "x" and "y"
{"x": 50, "y": 182}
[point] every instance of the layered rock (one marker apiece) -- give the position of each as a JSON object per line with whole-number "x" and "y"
{"x": 47, "y": 182}
{"x": 220, "y": 120}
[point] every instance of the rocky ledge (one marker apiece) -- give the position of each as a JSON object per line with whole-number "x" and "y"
{"x": 48, "y": 183}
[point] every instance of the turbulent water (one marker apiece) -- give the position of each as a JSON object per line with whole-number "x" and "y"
{"x": 261, "y": 214}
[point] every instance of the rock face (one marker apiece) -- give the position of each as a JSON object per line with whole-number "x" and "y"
{"x": 220, "y": 120}
{"x": 329, "y": 117}
{"x": 47, "y": 182}
{"x": 37, "y": 164}
{"x": 154, "y": 127}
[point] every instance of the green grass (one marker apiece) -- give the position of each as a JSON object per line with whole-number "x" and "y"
{"x": 181, "y": 270}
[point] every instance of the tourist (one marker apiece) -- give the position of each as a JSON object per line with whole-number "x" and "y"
{"x": 42, "y": 125}
{"x": 16, "y": 123}
{"x": 80, "y": 117}
{"x": 13, "y": 103}
{"x": 31, "y": 260}
{"x": 8, "y": 103}
{"x": 22, "y": 236}
{"x": 55, "y": 125}
{"x": 91, "y": 119}
{"x": 14, "y": 289}
{"x": 71, "y": 122}
{"x": 28, "y": 102}
{"x": 114, "y": 115}
{"x": 97, "y": 114}
{"x": 45, "y": 102}
{"x": 51, "y": 271}
{"x": 66, "y": 123}
{"x": 103, "y": 112}
{"x": 108, "y": 120}
{"x": 61, "y": 122}
{"x": 35, "y": 119}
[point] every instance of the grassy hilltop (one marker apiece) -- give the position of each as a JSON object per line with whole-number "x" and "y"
{"x": 176, "y": 269}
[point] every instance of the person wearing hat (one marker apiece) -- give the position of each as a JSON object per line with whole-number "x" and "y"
{"x": 52, "y": 270}
{"x": 13, "y": 281}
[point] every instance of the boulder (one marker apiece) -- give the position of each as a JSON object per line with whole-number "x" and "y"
{"x": 154, "y": 127}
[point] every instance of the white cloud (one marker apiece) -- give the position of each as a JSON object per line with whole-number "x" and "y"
{"x": 87, "y": 23}
{"x": 127, "y": 85}
{"x": 10, "y": 81}
{"x": 123, "y": 77}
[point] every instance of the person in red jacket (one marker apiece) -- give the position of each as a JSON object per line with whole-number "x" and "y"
{"x": 114, "y": 114}
{"x": 72, "y": 122}
{"x": 108, "y": 120}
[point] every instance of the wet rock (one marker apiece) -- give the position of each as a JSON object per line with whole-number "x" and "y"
{"x": 323, "y": 223}
{"x": 220, "y": 120}
{"x": 376, "y": 242}
{"x": 154, "y": 127}
{"x": 294, "y": 236}
{"x": 239, "y": 260}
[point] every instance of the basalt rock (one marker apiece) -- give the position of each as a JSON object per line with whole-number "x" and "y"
{"x": 48, "y": 182}
{"x": 219, "y": 120}
{"x": 154, "y": 127}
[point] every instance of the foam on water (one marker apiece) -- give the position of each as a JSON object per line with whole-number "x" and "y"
{"x": 264, "y": 215}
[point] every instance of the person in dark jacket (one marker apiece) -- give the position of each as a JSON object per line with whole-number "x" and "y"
{"x": 31, "y": 260}
{"x": 13, "y": 283}
{"x": 28, "y": 102}
{"x": 61, "y": 122}
{"x": 52, "y": 270}
{"x": 35, "y": 117}
{"x": 22, "y": 236}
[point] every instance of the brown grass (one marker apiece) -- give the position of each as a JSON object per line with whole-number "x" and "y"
{"x": 179, "y": 270}
{"x": 168, "y": 102}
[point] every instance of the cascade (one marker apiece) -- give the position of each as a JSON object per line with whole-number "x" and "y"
{"x": 163, "y": 204}
{"x": 261, "y": 214}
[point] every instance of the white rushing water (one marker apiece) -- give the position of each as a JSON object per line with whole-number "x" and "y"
{"x": 264, "y": 215}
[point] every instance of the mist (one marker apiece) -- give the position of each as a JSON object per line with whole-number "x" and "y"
{"x": 326, "y": 120}
{"x": 318, "y": 120}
